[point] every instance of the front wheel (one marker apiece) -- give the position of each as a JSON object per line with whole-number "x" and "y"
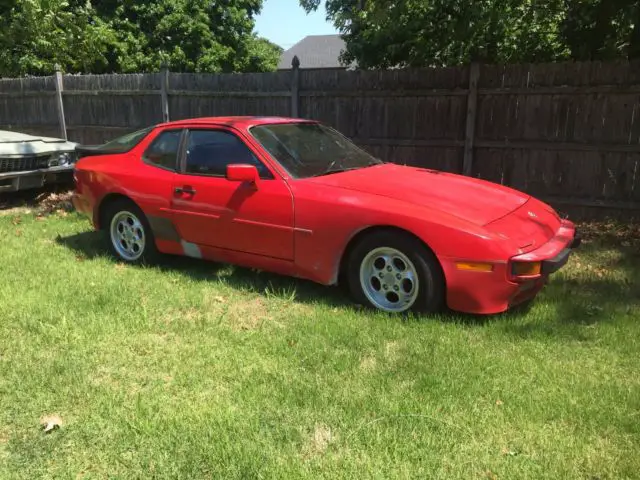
{"x": 130, "y": 237}
{"x": 395, "y": 273}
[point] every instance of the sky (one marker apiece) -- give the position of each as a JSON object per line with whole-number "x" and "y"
{"x": 285, "y": 22}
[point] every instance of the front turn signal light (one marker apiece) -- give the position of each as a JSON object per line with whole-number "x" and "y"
{"x": 475, "y": 266}
{"x": 526, "y": 269}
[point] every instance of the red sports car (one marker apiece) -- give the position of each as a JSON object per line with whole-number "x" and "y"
{"x": 297, "y": 198}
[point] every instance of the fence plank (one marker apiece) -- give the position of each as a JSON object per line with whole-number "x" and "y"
{"x": 59, "y": 104}
{"x": 225, "y": 94}
{"x": 111, "y": 93}
{"x": 472, "y": 102}
{"x": 122, "y": 82}
{"x": 164, "y": 96}
{"x": 295, "y": 87}
{"x": 22, "y": 94}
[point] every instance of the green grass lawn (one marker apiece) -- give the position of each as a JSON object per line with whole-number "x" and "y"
{"x": 193, "y": 370}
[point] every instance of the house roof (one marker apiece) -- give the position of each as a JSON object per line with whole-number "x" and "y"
{"x": 315, "y": 51}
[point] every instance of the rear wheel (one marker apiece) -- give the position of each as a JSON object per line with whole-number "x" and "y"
{"x": 396, "y": 273}
{"x": 130, "y": 237}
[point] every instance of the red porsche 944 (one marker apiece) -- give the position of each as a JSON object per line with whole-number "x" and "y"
{"x": 297, "y": 198}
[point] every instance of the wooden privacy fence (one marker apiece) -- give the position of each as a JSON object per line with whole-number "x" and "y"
{"x": 566, "y": 132}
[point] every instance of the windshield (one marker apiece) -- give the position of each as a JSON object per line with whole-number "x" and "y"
{"x": 311, "y": 149}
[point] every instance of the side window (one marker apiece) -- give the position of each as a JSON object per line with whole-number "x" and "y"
{"x": 163, "y": 150}
{"x": 210, "y": 151}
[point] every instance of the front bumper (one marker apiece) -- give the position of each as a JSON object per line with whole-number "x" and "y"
{"x": 496, "y": 291}
{"x": 556, "y": 263}
{"x": 577, "y": 239}
{"x": 14, "y": 181}
{"x": 552, "y": 265}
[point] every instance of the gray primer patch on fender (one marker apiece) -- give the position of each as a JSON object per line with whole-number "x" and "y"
{"x": 191, "y": 249}
{"x": 163, "y": 228}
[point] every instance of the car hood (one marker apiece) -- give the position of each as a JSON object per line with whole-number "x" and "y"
{"x": 473, "y": 200}
{"x": 529, "y": 226}
{"x": 14, "y": 143}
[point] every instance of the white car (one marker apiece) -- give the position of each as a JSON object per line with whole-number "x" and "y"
{"x": 28, "y": 161}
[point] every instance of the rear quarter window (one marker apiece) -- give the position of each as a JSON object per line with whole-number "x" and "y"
{"x": 163, "y": 150}
{"x": 121, "y": 144}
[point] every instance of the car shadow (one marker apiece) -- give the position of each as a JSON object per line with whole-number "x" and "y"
{"x": 92, "y": 245}
{"x": 563, "y": 309}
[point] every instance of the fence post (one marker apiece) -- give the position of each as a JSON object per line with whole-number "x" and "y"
{"x": 295, "y": 87}
{"x": 164, "y": 92}
{"x": 472, "y": 102}
{"x": 59, "y": 103}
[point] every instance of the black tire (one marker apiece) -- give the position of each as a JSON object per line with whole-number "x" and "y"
{"x": 149, "y": 252}
{"x": 431, "y": 285}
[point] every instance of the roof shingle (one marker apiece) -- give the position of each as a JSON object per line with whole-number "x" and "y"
{"x": 315, "y": 51}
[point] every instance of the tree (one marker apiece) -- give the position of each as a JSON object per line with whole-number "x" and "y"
{"x": 262, "y": 55}
{"x": 386, "y": 33}
{"x": 601, "y": 29}
{"x": 37, "y": 34}
{"x": 132, "y": 36}
{"x": 187, "y": 35}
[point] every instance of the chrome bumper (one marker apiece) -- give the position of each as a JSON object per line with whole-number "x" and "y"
{"x": 14, "y": 181}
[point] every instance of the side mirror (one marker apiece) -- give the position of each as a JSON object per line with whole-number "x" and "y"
{"x": 242, "y": 173}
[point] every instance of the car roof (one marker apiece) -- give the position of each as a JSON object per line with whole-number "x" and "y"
{"x": 234, "y": 121}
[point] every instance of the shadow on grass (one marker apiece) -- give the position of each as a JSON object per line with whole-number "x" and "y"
{"x": 563, "y": 309}
{"x": 93, "y": 244}
{"x": 607, "y": 293}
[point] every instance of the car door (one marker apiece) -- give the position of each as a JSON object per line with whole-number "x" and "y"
{"x": 151, "y": 184}
{"x": 210, "y": 210}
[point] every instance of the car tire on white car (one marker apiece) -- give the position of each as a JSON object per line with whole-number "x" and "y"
{"x": 129, "y": 234}
{"x": 395, "y": 272}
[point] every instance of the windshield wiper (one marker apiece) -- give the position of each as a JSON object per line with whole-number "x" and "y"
{"x": 330, "y": 169}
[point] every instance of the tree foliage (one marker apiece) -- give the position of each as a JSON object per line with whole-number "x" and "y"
{"x": 386, "y": 33}
{"x": 132, "y": 36}
{"x": 37, "y": 34}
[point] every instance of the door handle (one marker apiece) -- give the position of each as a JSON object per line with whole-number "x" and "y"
{"x": 187, "y": 190}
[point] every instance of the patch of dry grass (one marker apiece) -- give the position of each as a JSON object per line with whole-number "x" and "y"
{"x": 318, "y": 442}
